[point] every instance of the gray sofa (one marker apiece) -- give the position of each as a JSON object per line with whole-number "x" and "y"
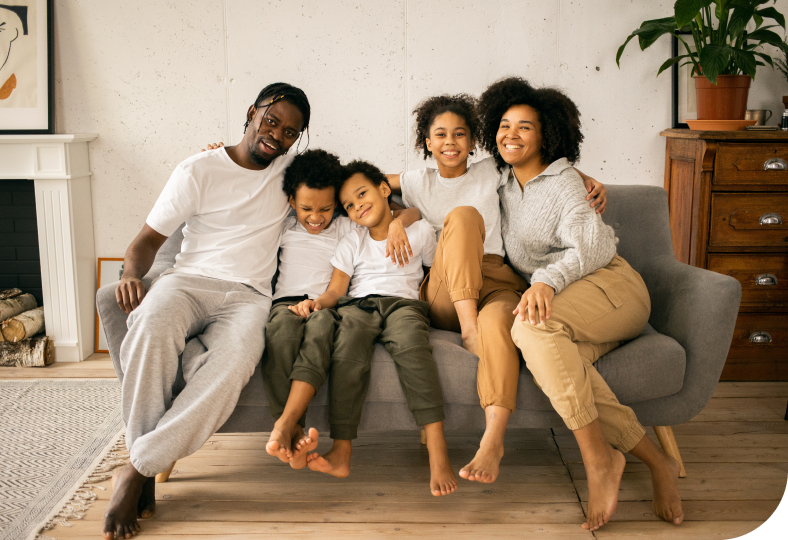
{"x": 667, "y": 375}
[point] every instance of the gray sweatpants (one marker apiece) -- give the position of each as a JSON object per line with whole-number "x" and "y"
{"x": 229, "y": 319}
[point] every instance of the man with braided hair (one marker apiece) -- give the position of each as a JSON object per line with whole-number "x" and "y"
{"x": 219, "y": 291}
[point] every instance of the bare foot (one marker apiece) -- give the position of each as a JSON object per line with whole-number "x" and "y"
{"x": 301, "y": 445}
{"x": 604, "y": 480}
{"x": 278, "y": 444}
{"x": 485, "y": 464}
{"x": 667, "y": 501}
{"x": 335, "y": 462}
{"x": 442, "y": 479}
{"x": 146, "y": 506}
{"x": 120, "y": 520}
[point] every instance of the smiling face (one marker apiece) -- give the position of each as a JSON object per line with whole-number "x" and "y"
{"x": 364, "y": 202}
{"x": 519, "y": 137}
{"x": 314, "y": 207}
{"x": 450, "y": 142}
{"x": 271, "y": 133}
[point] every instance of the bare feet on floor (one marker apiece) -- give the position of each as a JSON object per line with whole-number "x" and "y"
{"x": 301, "y": 445}
{"x": 486, "y": 463}
{"x": 667, "y": 501}
{"x": 442, "y": 479}
{"x": 335, "y": 462}
{"x": 604, "y": 480}
{"x": 120, "y": 520}
{"x": 279, "y": 442}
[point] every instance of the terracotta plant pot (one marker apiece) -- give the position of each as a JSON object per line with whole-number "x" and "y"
{"x": 727, "y": 100}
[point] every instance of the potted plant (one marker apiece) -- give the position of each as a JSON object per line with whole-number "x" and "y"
{"x": 782, "y": 66}
{"x": 726, "y": 53}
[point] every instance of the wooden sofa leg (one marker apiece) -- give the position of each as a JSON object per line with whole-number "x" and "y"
{"x": 164, "y": 476}
{"x": 668, "y": 442}
{"x": 423, "y": 435}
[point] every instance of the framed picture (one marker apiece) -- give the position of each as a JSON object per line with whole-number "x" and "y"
{"x": 109, "y": 271}
{"x": 684, "y": 106}
{"x": 26, "y": 67}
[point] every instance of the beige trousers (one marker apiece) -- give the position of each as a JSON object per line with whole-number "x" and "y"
{"x": 590, "y": 318}
{"x": 462, "y": 271}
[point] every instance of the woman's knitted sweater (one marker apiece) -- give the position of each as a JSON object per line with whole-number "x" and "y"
{"x": 550, "y": 232}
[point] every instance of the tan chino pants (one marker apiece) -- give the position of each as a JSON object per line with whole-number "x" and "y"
{"x": 462, "y": 271}
{"x": 590, "y": 318}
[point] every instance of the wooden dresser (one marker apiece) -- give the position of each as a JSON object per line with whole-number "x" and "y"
{"x": 728, "y": 196}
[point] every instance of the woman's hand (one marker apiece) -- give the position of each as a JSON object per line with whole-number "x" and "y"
{"x": 305, "y": 308}
{"x": 212, "y": 146}
{"x": 536, "y": 302}
{"x": 397, "y": 244}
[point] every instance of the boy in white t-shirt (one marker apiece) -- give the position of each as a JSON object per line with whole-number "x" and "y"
{"x": 383, "y": 304}
{"x": 298, "y": 349}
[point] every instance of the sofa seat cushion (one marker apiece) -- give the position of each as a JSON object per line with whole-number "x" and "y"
{"x": 648, "y": 367}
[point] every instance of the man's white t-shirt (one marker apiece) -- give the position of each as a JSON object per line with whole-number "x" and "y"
{"x": 364, "y": 260}
{"x": 305, "y": 259}
{"x": 233, "y": 218}
{"x": 436, "y": 196}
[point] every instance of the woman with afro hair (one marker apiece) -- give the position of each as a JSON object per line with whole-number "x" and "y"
{"x": 583, "y": 299}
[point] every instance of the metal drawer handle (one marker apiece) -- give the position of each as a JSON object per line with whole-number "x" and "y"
{"x": 760, "y": 337}
{"x": 775, "y": 164}
{"x": 771, "y": 219}
{"x": 766, "y": 279}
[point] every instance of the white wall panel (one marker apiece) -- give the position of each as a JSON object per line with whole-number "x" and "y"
{"x": 157, "y": 80}
{"x": 348, "y": 56}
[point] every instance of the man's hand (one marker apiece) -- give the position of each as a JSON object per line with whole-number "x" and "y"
{"x": 212, "y": 146}
{"x": 305, "y": 308}
{"x": 129, "y": 293}
{"x": 397, "y": 244}
{"x": 536, "y": 302}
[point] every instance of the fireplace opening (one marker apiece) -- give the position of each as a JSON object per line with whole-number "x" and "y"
{"x": 20, "y": 265}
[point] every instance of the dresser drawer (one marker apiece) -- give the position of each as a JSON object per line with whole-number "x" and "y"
{"x": 749, "y": 219}
{"x": 763, "y": 278}
{"x": 770, "y": 328}
{"x": 751, "y": 164}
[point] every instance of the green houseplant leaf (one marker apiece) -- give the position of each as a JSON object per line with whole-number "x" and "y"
{"x": 713, "y": 60}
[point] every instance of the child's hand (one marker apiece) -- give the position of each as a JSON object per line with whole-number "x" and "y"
{"x": 397, "y": 244}
{"x": 305, "y": 307}
{"x": 212, "y": 146}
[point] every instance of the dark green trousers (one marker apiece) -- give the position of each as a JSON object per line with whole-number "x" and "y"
{"x": 403, "y": 327}
{"x": 301, "y": 349}
{"x": 296, "y": 349}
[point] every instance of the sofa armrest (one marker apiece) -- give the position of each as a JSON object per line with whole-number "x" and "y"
{"x": 697, "y": 308}
{"x": 113, "y": 319}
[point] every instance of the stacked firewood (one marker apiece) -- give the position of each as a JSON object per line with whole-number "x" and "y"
{"x": 22, "y": 343}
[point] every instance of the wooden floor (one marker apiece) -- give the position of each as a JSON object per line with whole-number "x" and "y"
{"x": 735, "y": 452}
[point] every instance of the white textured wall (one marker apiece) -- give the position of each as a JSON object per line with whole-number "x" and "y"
{"x": 157, "y": 80}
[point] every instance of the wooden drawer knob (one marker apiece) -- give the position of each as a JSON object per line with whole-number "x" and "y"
{"x": 771, "y": 219}
{"x": 760, "y": 337}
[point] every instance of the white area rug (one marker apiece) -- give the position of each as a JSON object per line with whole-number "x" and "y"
{"x": 52, "y": 435}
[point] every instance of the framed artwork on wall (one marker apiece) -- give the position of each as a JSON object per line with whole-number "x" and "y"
{"x": 684, "y": 106}
{"x": 26, "y": 67}
{"x": 109, "y": 271}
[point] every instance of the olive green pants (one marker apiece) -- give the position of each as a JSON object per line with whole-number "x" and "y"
{"x": 339, "y": 343}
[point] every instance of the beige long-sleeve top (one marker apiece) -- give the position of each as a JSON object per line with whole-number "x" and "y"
{"x": 550, "y": 232}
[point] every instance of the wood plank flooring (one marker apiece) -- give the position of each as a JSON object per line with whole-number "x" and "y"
{"x": 735, "y": 452}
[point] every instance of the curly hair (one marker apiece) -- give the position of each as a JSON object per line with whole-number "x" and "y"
{"x": 558, "y": 115}
{"x": 463, "y": 105}
{"x": 315, "y": 169}
{"x": 372, "y": 173}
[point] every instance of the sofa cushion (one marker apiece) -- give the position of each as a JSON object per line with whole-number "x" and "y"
{"x": 648, "y": 367}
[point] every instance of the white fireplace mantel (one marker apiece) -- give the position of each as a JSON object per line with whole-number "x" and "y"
{"x": 59, "y": 167}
